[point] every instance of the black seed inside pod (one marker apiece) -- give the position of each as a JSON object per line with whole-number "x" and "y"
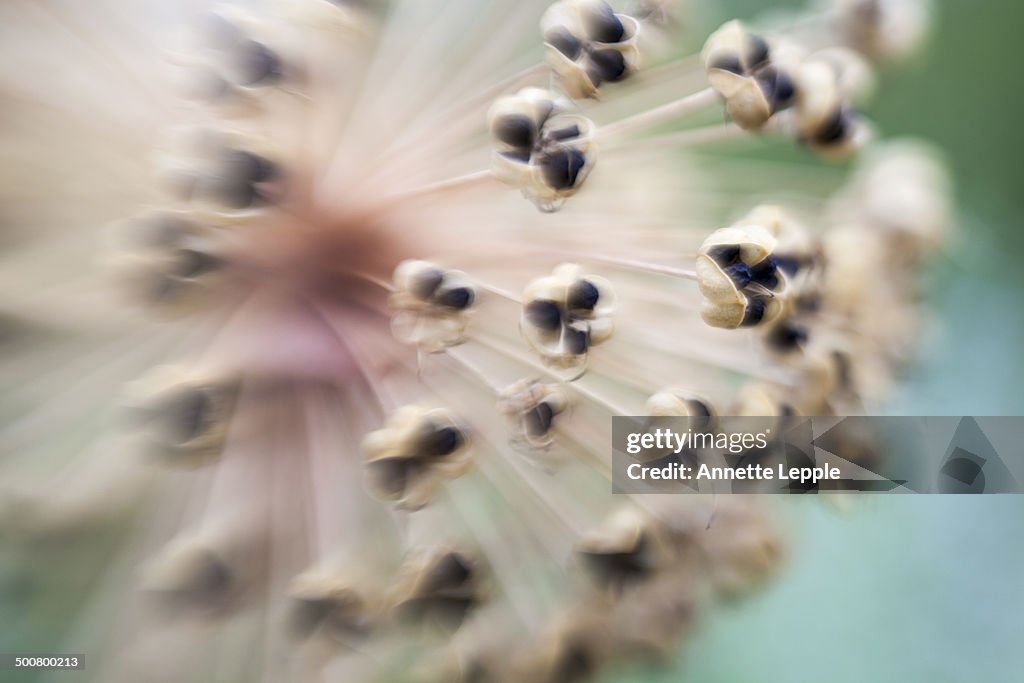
{"x": 835, "y": 129}
{"x": 583, "y": 296}
{"x": 575, "y": 664}
{"x": 615, "y": 569}
{"x": 565, "y": 42}
{"x": 758, "y": 51}
{"x": 724, "y": 254}
{"x": 765, "y": 273}
{"x": 426, "y": 282}
{"x": 238, "y": 194}
{"x": 440, "y": 442}
{"x": 454, "y": 570}
{"x": 787, "y": 336}
{"x": 577, "y": 339}
{"x": 726, "y": 62}
{"x": 754, "y": 313}
{"x": 784, "y": 91}
{"x": 249, "y": 167}
{"x": 515, "y": 130}
{"x": 740, "y": 274}
{"x": 789, "y": 265}
{"x": 544, "y": 314}
{"x": 257, "y": 64}
{"x": 393, "y": 475}
{"x": 457, "y": 298}
{"x": 562, "y": 167}
{"x": 606, "y": 65}
{"x": 193, "y": 263}
{"x": 538, "y": 420}
{"x": 191, "y": 413}
{"x": 602, "y": 25}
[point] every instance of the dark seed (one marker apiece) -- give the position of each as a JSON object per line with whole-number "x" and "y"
{"x": 515, "y": 130}
{"x": 192, "y": 414}
{"x": 249, "y": 167}
{"x": 538, "y": 420}
{"x": 789, "y": 265}
{"x": 426, "y": 282}
{"x": 565, "y": 42}
{"x": 740, "y": 274}
{"x": 725, "y": 254}
{"x": 258, "y": 64}
{"x": 577, "y": 339}
{"x": 754, "y": 313}
{"x": 615, "y": 569}
{"x": 193, "y": 263}
{"x": 544, "y": 314}
{"x": 583, "y": 295}
{"x": 726, "y": 62}
{"x": 765, "y": 273}
{"x": 787, "y": 336}
{"x": 562, "y": 167}
{"x": 757, "y": 51}
{"x": 521, "y": 157}
{"x": 443, "y": 441}
{"x": 607, "y": 65}
{"x": 454, "y": 570}
{"x": 784, "y": 91}
{"x": 602, "y": 25}
{"x": 458, "y": 298}
{"x": 238, "y": 194}
{"x": 835, "y": 129}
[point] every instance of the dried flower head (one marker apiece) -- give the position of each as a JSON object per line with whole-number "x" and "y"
{"x": 380, "y": 412}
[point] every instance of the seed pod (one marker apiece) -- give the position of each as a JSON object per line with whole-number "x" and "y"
{"x": 189, "y": 576}
{"x": 626, "y": 549}
{"x": 565, "y": 314}
{"x": 438, "y": 586}
{"x": 738, "y": 277}
{"x": 762, "y": 400}
{"x": 883, "y": 29}
{"x": 432, "y": 306}
{"x": 571, "y": 650}
{"x": 532, "y": 408}
{"x": 183, "y": 416}
{"x": 409, "y": 458}
{"x": 822, "y": 115}
{"x": 539, "y": 149}
{"x": 588, "y": 44}
{"x": 739, "y": 68}
{"x": 169, "y": 261}
{"x": 332, "y": 605}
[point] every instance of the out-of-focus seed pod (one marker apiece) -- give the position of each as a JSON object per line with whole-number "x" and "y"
{"x": 539, "y": 148}
{"x": 823, "y": 117}
{"x": 883, "y": 29}
{"x": 183, "y": 416}
{"x": 572, "y": 649}
{"x": 532, "y": 408}
{"x": 413, "y": 454}
{"x": 588, "y": 44}
{"x": 759, "y": 399}
{"x": 337, "y": 607}
{"x": 438, "y": 587}
{"x": 432, "y": 306}
{"x": 626, "y": 549}
{"x": 742, "y": 546}
{"x": 169, "y": 261}
{"x": 565, "y": 314}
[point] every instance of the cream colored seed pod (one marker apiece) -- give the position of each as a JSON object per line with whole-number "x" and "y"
{"x": 884, "y": 29}
{"x": 333, "y": 605}
{"x": 739, "y": 68}
{"x": 438, "y": 587}
{"x": 565, "y": 314}
{"x": 572, "y": 648}
{"x": 432, "y": 306}
{"x": 588, "y": 44}
{"x": 183, "y": 415}
{"x": 678, "y": 403}
{"x": 544, "y": 152}
{"x": 531, "y": 407}
{"x": 822, "y": 116}
{"x": 627, "y": 548}
{"x": 737, "y": 277}
{"x": 413, "y": 454}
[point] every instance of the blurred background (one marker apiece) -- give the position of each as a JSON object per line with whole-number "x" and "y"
{"x": 902, "y": 588}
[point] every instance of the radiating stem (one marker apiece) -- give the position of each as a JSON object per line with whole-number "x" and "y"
{"x": 659, "y": 115}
